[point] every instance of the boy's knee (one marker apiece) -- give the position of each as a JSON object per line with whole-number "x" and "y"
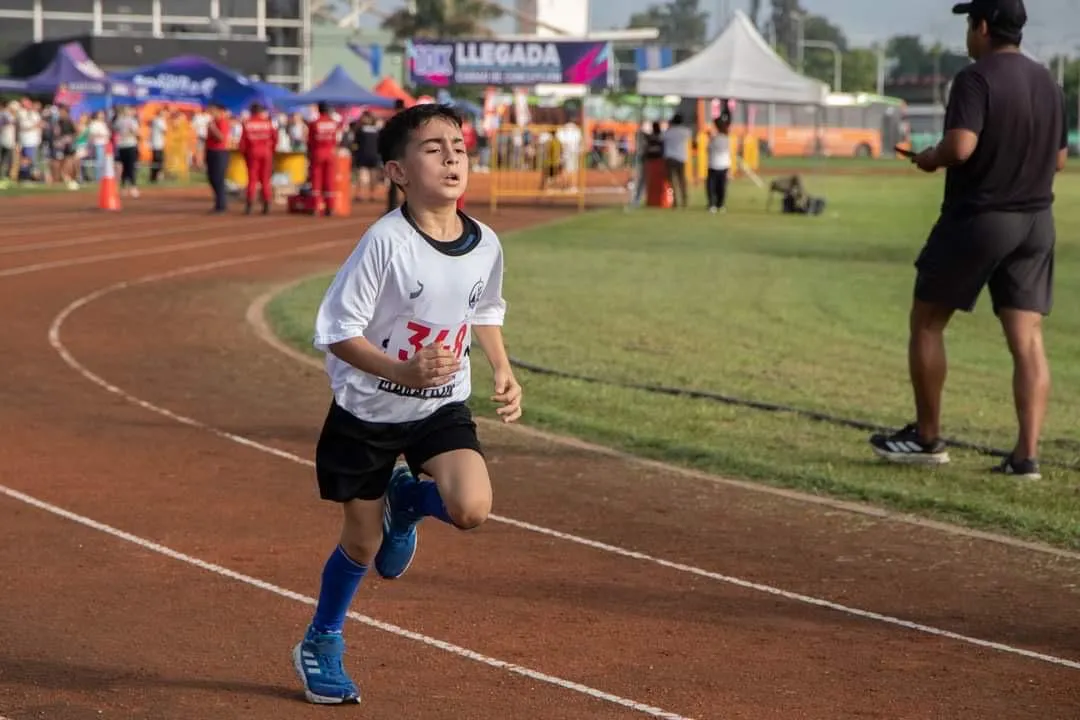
{"x": 470, "y": 514}
{"x": 360, "y": 550}
{"x": 361, "y": 541}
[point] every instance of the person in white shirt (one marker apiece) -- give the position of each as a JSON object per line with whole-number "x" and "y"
{"x": 126, "y": 129}
{"x": 719, "y": 164}
{"x": 396, "y": 324}
{"x": 678, "y": 141}
{"x": 570, "y": 138}
{"x": 30, "y": 126}
{"x": 9, "y": 121}
{"x": 200, "y": 123}
{"x": 99, "y": 136}
{"x": 159, "y": 132}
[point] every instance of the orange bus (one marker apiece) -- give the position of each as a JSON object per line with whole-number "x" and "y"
{"x": 849, "y": 125}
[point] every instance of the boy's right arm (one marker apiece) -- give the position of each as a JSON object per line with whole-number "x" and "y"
{"x": 431, "y": 367}
{"x": 347, "y": 309}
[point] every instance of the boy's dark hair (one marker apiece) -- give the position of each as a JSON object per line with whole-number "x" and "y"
{"x": 396, "y": 133}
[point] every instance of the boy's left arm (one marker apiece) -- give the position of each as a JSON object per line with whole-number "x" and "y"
{"x": 487, "y": 327}
{"x": 507, "y": 389}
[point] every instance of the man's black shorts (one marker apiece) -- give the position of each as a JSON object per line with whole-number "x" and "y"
{"x": 1011, "y": 252}
{"x": 354, "y": 458}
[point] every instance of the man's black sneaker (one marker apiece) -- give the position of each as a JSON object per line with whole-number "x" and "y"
{"x": 1026, "y": 469}
{"x": 905, "y": 446}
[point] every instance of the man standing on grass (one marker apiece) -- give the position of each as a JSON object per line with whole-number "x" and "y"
{"x": 1005, "y": 138}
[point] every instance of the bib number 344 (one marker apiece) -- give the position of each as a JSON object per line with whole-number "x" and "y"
{"x": 415, "y": 336}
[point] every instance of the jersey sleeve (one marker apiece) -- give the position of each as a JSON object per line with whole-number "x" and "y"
{"x": 968, "y": 103}
{"x": 349, "y": 302}
{"x": 491, "y": 310}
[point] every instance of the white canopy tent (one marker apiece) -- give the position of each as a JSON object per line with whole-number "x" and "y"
{"x": 737, "y": 65}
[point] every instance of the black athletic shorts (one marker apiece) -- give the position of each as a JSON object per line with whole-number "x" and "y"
{"x": 355, "y": 458}
{"x": 1011, "y": 252}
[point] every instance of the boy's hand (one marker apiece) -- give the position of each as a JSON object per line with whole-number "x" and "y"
{"x": 432, "y": 366}
{"x": 507, "y": 392}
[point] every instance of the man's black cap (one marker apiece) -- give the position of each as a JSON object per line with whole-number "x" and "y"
{"x": 1006, "y": 16}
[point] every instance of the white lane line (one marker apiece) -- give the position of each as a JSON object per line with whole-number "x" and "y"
{"x": 57, "y": 344}
{"x": 163, "y": 249}
{"x": 119, "y": 236}
{"x": 61, "y": 223}
{"x": 54, "y": 340}
{"x": 363, "y": 619}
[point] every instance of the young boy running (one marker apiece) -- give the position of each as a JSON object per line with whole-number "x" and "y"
{"x": 396, "y": 324}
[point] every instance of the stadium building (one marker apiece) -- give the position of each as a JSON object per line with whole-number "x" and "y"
{"x": 263, "y": 38}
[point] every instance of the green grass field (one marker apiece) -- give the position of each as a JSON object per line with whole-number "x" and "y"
{"x": 808, "y": 312}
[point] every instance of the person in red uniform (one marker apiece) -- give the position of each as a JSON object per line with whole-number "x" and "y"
{"x": 322, "y": 146}
{"x": 257, "y": 142}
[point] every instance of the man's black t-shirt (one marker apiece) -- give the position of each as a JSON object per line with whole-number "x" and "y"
{"x": 1018, "y": 111}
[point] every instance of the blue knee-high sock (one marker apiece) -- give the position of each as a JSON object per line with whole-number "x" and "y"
{"x": 341, "y": 576}
{"x": 425, "y": 499}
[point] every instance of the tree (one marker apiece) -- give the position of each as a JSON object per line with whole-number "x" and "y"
{"x": 1072, "y": 91}
{"x": 681, "y": 23}
{"x": 860, "y": 70}
{"x": 443, "y": 19}
{"x": 755, "y": 12}
{"x": 785, "y": 25}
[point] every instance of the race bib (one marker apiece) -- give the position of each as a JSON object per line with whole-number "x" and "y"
{"x": 411, "y": 336}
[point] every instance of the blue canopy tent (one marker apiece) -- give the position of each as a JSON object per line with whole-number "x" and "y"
{"x": 16, "y": 85}
{"x": 72, "y": 70}
{"x": 277, "y": 96}
{"x": 460, "y": 104}
{"x": 337, "y": 88}
{"x": 194, "y": 79}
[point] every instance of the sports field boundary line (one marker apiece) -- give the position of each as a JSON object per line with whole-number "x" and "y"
{"x": 371, "y": 622}
{"x": 256, "y": 318}
{"x": 54, "y": 338}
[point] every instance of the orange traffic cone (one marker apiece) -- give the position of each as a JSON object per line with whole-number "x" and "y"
{"x": 108, "y": 192}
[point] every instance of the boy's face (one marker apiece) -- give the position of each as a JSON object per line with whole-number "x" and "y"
{"x": 435, "y": 166}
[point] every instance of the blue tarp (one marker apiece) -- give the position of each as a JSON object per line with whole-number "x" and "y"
{"x": 460, "y": 104}
{"x": 72, "y": 70}
{"x": 338, "y": 88}
{"x": 193, "y": 79}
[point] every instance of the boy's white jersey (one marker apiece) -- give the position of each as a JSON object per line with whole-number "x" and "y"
{"x": 402, "y": 291}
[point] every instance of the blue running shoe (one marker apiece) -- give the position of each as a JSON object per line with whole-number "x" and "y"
{"x": 399, "y": 527}
{"x": 317, "y": 660}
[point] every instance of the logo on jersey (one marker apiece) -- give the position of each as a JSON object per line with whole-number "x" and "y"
{"x": 474, "y": 295}
{"x": 416, "y": 293}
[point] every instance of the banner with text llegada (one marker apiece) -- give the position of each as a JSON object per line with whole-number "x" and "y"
{"x": 445, "y": 63}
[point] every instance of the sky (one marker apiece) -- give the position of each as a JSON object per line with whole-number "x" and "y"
{"x": 1053, "y": 25}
